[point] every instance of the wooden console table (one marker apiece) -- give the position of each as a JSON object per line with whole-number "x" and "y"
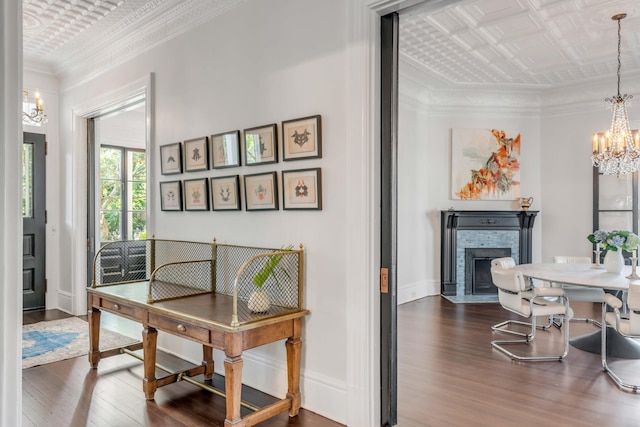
{"x": 203, "y": 319}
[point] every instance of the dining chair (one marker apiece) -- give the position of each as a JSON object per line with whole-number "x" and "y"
{"x": 518, "y": 296}
{"x": 628, "y": 328}
{"x": 577, "y": 293}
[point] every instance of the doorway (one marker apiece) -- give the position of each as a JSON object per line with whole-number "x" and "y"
{"x": 117, "y": 190}
{"x": 33, "y": 221}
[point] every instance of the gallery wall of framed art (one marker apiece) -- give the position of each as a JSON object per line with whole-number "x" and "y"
{"x": 269, "y": 188}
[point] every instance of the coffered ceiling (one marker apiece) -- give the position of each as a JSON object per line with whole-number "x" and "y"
{"x": 530, "y": 44}
{"x": 62, "y": 36}
{"x": 536, "y": 44}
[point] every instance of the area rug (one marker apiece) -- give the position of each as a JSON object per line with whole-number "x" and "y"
{"x": 55, "y": 340}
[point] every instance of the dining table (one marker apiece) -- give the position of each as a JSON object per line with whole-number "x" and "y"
{"x": 594, "y": 276}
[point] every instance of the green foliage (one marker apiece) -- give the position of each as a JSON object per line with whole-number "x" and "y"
{"x": 615, "y": 240}
{"x": 269, "y": 268}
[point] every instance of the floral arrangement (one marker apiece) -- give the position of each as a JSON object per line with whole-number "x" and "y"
{"x": 615, "y": 240}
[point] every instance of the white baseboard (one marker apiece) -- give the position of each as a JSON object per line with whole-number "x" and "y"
{"x": 65, "y": 302}
{"x": 321, "y": 394}
{"x": 416, "y": 290}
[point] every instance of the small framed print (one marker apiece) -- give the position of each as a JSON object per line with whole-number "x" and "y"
{"x": 302, "y": 189}
{"x": 171, "y": 159}
{"x": 225, "y": 193}
{"x": 302, "y": 138}
{"x": 261, "y": 191}
{"x": 260, "y": 145}
{"x": 196, "y": 154}
{"x": 196, "y": 194}
{"x": 225, "y": 150}
{"x": 171, "y": 196}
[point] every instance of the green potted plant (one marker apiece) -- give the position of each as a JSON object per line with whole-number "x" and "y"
{"x": 259, "y": 300}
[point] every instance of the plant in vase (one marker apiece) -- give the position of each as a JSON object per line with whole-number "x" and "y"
{"x": 614, "y": 242}
{"x": 259, "y": 300}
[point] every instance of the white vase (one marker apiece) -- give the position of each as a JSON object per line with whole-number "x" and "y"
{"x": 259, "y": 301}
{"x": 613, "y": 261}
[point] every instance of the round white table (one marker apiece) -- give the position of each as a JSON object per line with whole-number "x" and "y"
{"x": 586, "y": 275}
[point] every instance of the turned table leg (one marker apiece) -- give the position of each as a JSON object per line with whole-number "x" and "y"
{"x": 93, "y": 315}
{"x": 207, "y": 361}
{"x": 149, "y": 340}
{"x": 294, "y": 347}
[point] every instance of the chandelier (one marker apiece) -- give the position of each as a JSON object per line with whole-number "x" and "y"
{"x": 617, "y": 151}
{"x": 33, "y": 113}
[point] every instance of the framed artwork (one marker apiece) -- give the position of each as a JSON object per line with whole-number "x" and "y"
{"x": 171, "y": 196}
{"x": 225, "y": 150}
{"x": 225, "y": 193}
{"x": 196, "y": 194}
{"x": 261, "y": 191}
{"x": 302, "y": 189}
{"x": 302, "y": 138}
{"x": 260, "y": 145}
{"x": 196, "y": 154}
{"x": 485, "y": 164}
{"x": 171, "y": 159}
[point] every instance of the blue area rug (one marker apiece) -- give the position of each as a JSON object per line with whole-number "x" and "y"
{"x": 47, "y": 342}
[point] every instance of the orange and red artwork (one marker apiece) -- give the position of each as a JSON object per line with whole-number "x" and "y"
{"x": 485, "y": 164}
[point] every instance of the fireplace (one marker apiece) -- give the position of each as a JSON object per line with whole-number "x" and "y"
{"x": 483, "y": 236}
{"x": 477, "y": 274}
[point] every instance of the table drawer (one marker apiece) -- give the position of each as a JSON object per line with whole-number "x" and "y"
{"x": 180, "y": 328}
{"x": 118, "y": 308}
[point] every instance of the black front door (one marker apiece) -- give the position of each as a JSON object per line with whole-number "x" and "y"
{"x": 33, "y": 221}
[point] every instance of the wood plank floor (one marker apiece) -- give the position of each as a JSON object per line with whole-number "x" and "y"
{"x": 449, "y": 375}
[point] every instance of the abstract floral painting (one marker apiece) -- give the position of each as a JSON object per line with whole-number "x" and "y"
{"x": 485, "y": 164}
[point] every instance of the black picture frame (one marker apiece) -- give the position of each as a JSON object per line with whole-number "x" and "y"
{"x": 261, "y": 191}
{"x": 225, "y": 150}
{"x": 302, "y": 138}
{"x": 225, "y": 193}
{"x": 196, "y": 154}
{"x": 196, "y": 194}
{"x": 261, "y": 145}
{"x": 171, "y": 159}
{"x": 171, "y": 195}
{"x": 302, "y": 189}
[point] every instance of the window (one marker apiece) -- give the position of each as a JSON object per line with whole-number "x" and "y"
{"x": 123, "y": 194}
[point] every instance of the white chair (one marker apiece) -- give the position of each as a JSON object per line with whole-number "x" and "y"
{"x": 516, "y": 296}
{"x": 629, "y": 328}
{"x": 580, "y": 293}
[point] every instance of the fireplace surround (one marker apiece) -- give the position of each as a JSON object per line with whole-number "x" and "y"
{"x": 518, "y": 226}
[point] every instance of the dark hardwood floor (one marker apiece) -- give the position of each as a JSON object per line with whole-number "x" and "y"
{"x": 449, "y": 375}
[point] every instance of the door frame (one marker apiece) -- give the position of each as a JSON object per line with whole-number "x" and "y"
{"x": 76, "y": 302}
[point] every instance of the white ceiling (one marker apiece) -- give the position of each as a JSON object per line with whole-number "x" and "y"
{"x": 67, "y": 36}
{"x": 536, "y": 44}
{"x": 531, "y": 44}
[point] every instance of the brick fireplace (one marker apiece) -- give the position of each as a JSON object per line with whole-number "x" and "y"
{"x": 471, "y": 239}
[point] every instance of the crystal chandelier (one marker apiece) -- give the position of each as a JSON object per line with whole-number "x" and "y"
{"x": 33, "y": 113}
{"x": 616, "y": 152}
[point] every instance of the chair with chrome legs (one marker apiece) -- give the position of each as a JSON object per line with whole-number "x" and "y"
{"x": 508, "y": 262}
{"x": 579, "y": 293}
{"x": 516, "y": 296}
{"x": 629, "y": 328}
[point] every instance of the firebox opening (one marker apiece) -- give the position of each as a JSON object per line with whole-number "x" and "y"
{"x": 477, "y": 278}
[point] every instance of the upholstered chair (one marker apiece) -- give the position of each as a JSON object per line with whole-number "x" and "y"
{"x": 517, "y": 296}
{"x": 629, "y": 328}
{"x": 580, "y": 293}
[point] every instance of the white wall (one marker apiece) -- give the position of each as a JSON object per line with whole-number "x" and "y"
{"x": 249, "y": 67}
{"x": 426, "y": 117}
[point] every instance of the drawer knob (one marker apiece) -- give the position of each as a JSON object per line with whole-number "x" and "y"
{"x": 116, "y": 306}
{"x": 181, "y": 328}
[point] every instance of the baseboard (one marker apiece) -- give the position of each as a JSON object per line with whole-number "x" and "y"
{"x": 416, "y": 290}
{"x": 65, "y": 302}
{"x": 321, "y": 394}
